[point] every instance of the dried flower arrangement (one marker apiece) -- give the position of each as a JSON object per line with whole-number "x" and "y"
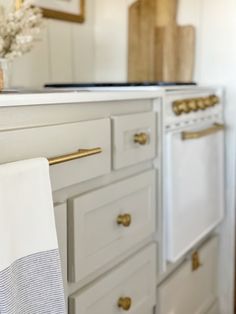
{"x": 19, "y": 29}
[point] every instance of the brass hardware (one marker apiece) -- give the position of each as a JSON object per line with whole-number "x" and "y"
{"x": 195, "y": 261}
{"x": 198, "y": 134}
{"x": 77, "y": 155}
{"x": 183, "y": 107}
{"x": 201, "y": 104}
{"x": 124, "y": 220}
{"x": 195, "y": 104}
{"x": 176, "y": 108}
{"x": 215, "y": 99}
{"x": 141, "y": 138}
{"x": 125, "y": 303}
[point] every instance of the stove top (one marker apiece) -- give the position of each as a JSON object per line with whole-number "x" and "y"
{"x": 118, "y": 84}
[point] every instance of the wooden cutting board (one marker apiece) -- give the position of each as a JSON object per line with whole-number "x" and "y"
{"x": 174, "y": 53}
{"x": 185, "y": 53}
{"x": 141, "y": 44}
{"x": 159, "y": 49}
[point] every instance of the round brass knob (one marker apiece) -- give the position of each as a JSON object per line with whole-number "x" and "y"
{"x": 124, "y": 220}
{"x": 141, "y": 138}
{"x": 214, "y": 99}
{"x": 175, "y": 108}
{"x": 201, "y": 104}
{"x": 207, "y": 102}
{"x": 183, "y": 106}
{"x": 192, "y": 104}
{"x": 125, "y": 303}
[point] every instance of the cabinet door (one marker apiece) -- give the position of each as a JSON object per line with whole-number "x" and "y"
{"x": 191, "y": 292}
{"x": 134, "y": 138}
{"x": 106, "y": 223}
{"x": 133, "y": 281}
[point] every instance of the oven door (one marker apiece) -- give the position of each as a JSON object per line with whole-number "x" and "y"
{"x": 194, "y": 190}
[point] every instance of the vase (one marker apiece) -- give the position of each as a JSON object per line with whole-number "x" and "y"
{"x": 5, "y": 73}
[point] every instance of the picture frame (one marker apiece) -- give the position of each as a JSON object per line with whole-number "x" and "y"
{"x": 66, "y": 10}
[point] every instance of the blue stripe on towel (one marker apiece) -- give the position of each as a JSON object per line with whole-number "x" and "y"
{"x": 33, "y": 285}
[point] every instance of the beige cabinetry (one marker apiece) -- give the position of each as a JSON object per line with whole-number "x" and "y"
{"x": 192, "y": 288}
{"x": 109, "y": 208}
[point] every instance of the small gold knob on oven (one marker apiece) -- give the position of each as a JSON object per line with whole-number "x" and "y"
{"x": 124, "y": 220}
{"x": 207, "y": 102}
{"x": 214, "y": 100}
{"x": 141, "y": 138}
{"x": 192, "y": 104}
{"x": 176, "y": 109}
{"x": 183, "y": 106}
{"x": 201, "y": 104}
{"x": 125, "y": 303}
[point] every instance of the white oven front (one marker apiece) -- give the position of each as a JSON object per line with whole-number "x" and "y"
{"x": 194, "y": 185}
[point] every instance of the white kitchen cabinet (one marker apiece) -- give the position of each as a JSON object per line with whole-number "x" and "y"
{"x": 107, "y": 222}
{"x": 134, "y": 138}
{"x": 132, "y": 282}
{"x": 191, "y": 291}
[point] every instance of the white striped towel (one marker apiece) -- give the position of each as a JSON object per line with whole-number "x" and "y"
{"x": 30, "y": 271}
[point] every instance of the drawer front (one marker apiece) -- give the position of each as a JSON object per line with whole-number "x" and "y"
{"x": 188, "y": 291}
{"x": 107, "y": 222}
{"x": 134, "y": 139}
{"x": 59, "y": 140}
{"x": 133, "y": 280}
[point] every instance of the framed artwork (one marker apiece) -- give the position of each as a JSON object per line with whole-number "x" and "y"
{"x": 67, "y": 10}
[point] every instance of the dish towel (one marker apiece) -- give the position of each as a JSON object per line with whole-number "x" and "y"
{"x": 30, "y": 271}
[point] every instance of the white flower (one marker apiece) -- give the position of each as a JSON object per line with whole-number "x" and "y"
{"x": 19, "y": 30}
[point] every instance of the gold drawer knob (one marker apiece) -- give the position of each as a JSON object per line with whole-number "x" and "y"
{"x": 141, "y": 138}
{"x": 124, "y": 220}
{"x": 125, "y": 303}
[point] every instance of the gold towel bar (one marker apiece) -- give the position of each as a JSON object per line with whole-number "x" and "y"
{"x": 81, "y": 153}
{"x": 198, "y": 134}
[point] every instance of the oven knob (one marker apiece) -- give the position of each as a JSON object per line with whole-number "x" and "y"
{"x": 183, "y": 106}
{"x": 192, "y": 104}
{"x": 176, "y": 109}
{"x": 214, "y": 100}
{"x": 201, "y": 104}
{"x": 207, "y": 102}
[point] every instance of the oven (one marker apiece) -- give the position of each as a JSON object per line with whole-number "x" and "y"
{"x": 193, "y": 171}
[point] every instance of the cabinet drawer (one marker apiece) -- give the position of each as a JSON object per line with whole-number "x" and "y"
{"x": 134, "y": 279}
{"x": 188, "y": 291}
{"x": 107, "y": 222}
{"x": 134, "y": 138}
{"x": 57, "y": 140}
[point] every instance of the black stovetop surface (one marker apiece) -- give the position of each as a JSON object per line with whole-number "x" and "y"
{"x": 117, "y": 84}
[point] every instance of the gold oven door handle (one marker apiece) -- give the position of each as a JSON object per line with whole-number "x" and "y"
{"x": 81, "y": 153}
{"x": 198, "y": 134}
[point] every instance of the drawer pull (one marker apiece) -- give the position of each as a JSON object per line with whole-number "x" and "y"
{"x": 125, "y": 303}
{"x": 195, "y": 261}
{"x": 141, "y": 138}
{"x": 81, "y": 153}
{"x": 124, "y": 220}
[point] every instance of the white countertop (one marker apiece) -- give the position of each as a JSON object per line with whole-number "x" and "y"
{"x": 23, "y": 97}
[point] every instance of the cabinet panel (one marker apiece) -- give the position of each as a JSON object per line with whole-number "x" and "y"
{"x": 59, "y": 140}
{"x": 134, "y": 138}
{"x": 133, "y": 280}
{"x": 107, "y": 222}
{"x": 187, "y": 291}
